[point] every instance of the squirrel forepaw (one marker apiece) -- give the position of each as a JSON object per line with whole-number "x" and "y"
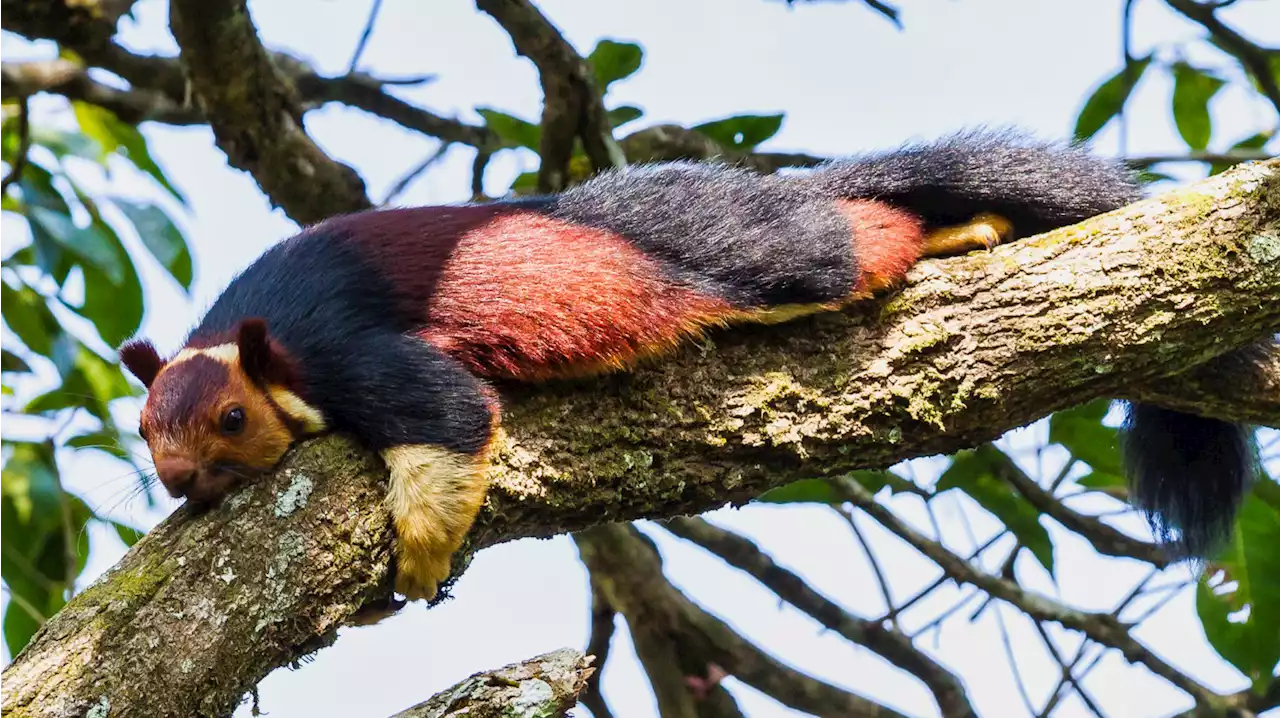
{"x": 419, "y": 577}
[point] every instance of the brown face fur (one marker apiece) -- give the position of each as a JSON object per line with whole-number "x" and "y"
{"x": 200, "y": 452}
{"x": 218, "y": 415}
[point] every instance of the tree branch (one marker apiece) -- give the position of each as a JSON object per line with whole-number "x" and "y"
{"x": 545, "y": 686}
{"x": 71, "y": 80}
{"x": 625, "y": 564}
{"x": 970, "y": 348}
{"x": 572, "y": 105}
{"x": 1253, "y": 58}
{"x": 255, "y": 112}
{"x": 1100, "y": 627}
{"x": 741, "y": 553}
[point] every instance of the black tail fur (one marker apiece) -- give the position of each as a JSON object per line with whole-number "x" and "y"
{"x": 1187, "y": 473}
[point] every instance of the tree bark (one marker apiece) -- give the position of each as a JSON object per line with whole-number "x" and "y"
{"x": 970, "y": 348}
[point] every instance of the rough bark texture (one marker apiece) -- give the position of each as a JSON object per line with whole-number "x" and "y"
{"x": 545, "y": 686}
{"x": 255, "y": 112}
{"x": 972, "y": 347}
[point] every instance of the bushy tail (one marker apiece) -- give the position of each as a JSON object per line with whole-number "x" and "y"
{"x": 1187, "y": 473}
{"x": 1036, "y": 185}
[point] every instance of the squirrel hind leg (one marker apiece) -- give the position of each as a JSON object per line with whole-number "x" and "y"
{"x": 434, "y": 496}
{"x": 984, "y": 231}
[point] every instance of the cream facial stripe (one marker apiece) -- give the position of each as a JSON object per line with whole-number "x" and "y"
{"x": 291, "y": 404}
{"x": 300, "y": 411}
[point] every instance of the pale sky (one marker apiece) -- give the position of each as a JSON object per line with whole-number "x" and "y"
{"x": 848, "y": 82}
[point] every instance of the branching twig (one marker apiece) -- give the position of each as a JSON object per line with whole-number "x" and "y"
{"x": 1253, "y": 58}
{"x": 1101, "y": 627}
{"x": 625, "y": 565}
{"x": 881, "y": 578}
{"x": 364, "y": 36}
{"x": 403, "y": 183}
{"x": 741, "y": 553}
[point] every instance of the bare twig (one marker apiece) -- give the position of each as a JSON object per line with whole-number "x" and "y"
{"x": 881, "y": 578}
{"x": 1253, "y": 58}
{"x": 1100, "y": 627}
{"x": 403, "y": 183}
{"x": 1231, "y": 156}
{"x": 1066, "y": 674}
{"x": 364, "y": 36}
{"x": 627, "y": 568}
{"x": 895, "y": 647}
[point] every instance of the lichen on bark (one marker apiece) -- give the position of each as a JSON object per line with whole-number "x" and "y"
{"x": 971, "y": 347}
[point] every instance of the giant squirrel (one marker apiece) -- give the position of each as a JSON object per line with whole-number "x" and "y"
{"x": 387, "y": 324}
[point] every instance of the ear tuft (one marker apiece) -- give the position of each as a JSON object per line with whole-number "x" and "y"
{"x": 142, "y": 360}
{"x": 262, "y": 360}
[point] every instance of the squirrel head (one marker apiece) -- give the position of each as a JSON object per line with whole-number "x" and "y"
{"x": 221, "y": 414}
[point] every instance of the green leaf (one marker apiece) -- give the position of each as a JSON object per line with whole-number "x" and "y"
{"x": 115, "y": 308}
{"x": 742, "y": 132}
{"x": 1255, "y": 142}
{"x": 1108, "y": 99}
{"x": 29, "y": 317}
{"x": 612, "y": 61}
{"x": 974, "y": 473}
{"x": 122, "y": 138}
{"x": 88, "y": 244}
{"x": 511, "y": 129}
{"x": 804, "y": 491}
{"x": 12, "y": 363}
{"x": 525, "y": 183}
{"x": 162, "y": 237}
{"x": 128, "y": 534}
{"x": 1080, "y": 430}
{"x": 620, "y": 116}
{"x": 822, "y": 491}
{"x": 92, "y": 384}
{"x": 66, "y": 144}
{"x": 1192, "y": 90}
{"x": 1252, "y": 561}
{"x": 38, "y": 191}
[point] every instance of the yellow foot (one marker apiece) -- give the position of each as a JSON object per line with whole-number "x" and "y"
{"x": 418, "y": 576}
{"x": 434, "y": 496}
{"x": 984, "y": 231}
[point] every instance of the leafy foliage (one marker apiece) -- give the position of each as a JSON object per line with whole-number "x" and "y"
{"x": 741, "y": 133}
{"x": 45, "y": 539}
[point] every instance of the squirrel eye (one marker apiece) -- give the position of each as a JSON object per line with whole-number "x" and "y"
{"x": 142, "y": 433}
{"x": 233, "y": 421}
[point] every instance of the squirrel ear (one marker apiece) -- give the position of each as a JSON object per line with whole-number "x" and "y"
{"x": 261, "y": 358}
{"x": 142, "y": 360}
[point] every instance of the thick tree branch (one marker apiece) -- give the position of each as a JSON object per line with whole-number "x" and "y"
{"x": 255, "y": 112}
{"x": 1239, "y": 386}
{"x": 546, "y": 686}
{"x": 970, "y": 348}
{"x": 71, "y": 80}
{"x": 572, "y": 106}
{"x": 895, "y": 647}
{"x": 678, "y": 641}
{"x": 602, "y": 615}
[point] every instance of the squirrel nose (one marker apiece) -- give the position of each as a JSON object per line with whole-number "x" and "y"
{"x": 177, "y": 475}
